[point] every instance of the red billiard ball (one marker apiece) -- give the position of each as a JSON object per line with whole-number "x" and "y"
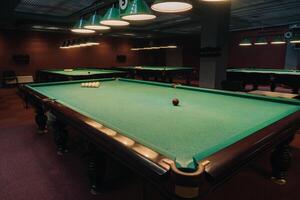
{"x": 175, "y": 102}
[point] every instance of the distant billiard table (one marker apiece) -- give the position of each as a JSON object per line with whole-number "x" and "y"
{"x": 164, "y": 73}
{"x": 186, "y": 150}
{"x": 271, "y": 77}
{"x": 53, "y": 75}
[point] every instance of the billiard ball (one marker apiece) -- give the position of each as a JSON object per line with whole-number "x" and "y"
{"x": 175, "y": 102}
{"x": 89, "y": 72}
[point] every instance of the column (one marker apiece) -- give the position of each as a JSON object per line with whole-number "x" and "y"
{"x": 214, "y": 43}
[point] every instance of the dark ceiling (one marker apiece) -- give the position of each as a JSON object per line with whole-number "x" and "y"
{"x": 59, "y": 15}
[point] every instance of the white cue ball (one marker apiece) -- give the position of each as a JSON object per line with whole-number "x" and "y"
{"x": 97, "y": 84}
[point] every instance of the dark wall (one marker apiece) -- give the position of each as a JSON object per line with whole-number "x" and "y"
{"x": 268, "y": 56}
{"x": 43, "y": 49}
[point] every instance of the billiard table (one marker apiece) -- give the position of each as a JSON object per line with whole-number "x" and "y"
{"x": 185, "y": 150}
{"x": 271, "y": 77}
{"x": 164, "y": 73}
{"x": 53, "y": 75}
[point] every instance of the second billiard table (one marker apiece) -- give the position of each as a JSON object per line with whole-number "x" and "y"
{"x": 164, "y": 73}
{"x": 272, "y": 77}
{"x": 52, "y": 75}
{"x": 186, "y": 150}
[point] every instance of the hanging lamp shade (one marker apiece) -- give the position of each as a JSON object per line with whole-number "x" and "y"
{"x": 245, "y": 42}
{"x": 77, "y": 43}
{"x": 260, "y": 41}
{"x": 172, "y": 6}
{"x": 93, "y": 23}
{"x": 79, "y": 28}
{"x": 68, "y": 43}
{"x": 295, "y": 39}
{"x": 92, "y": 42}
{"x": 138, "y": 10}
{"x": 81, "y": 42}
{"x": 64, "y": 45}
{"x": 278, "y": 40}
{"x": 112, "y": 18}
{"x": 71, "y": 44}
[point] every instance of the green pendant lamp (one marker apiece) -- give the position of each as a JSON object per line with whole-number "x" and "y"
{"x": 79, "y": 28}
{"x": 138, "y": 10}
{"x": 260, "y": 41}
{"x": 91, "y": 42}
{"x": 295, "y": 39}
{"x": 112, "y": 18}
{"x": 68, "y": 44}
{"x": 93, "y": 23}
{"x": 278, "y": 40}
{"x": 64, "y": 45}
{"x": 77, "y": 43}
{"x": 171, "y": 6}
{"x": 245, "y": 42}
{"x": 71, "y": 44}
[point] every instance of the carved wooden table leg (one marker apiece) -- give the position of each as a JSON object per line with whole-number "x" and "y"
{"x": 41, "y": 120}
{"x": 60, "y": 134}
{"x": 96, "y": 167}
{"x": 281, "y": 161}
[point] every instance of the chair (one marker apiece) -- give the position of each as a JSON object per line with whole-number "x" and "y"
{"x": 9, "y": 78}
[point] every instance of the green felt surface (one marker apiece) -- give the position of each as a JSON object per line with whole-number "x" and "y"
{"x": 82, "y": 72}
{"x": 205, "y": 122}
{"x": 267, "y": 71}
{"x": 158, "y": 68}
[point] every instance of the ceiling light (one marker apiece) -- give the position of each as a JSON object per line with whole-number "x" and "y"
{"x": 92, "y": 42}
{"x": 295, "y": 39}
{"x": 155, "y": 48}
{"x": 260, "y": 41}
{"x": 52, "y": 28}
{"x": 38, "y": 27}
{"x": 245, "y": 42}
{"x": 171, "y": 6}
{"x": 68, "y": 43}
{"x": 278, "y": 40}
{"x": 64, "y": 45}
{"x": 94, "y": 23}
{"x": 79, "y": 28}
{"x": 172, "y": 47}
{"x": 76, "y": 43}
{"x": 138, "y": 10}
{"x": 112, "y": 18}
{"x": 135, "y": 49}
